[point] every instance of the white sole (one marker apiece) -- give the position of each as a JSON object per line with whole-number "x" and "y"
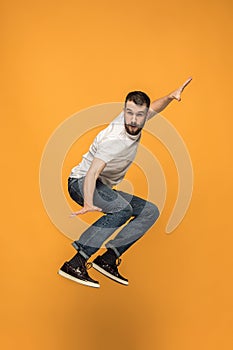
{"x": 85, "y": 283}
{"x": 107, "y": 274}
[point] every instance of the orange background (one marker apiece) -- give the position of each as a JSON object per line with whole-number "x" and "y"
{"x": 59, "y": 57}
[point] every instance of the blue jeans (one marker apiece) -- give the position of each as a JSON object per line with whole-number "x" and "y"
{"x": 118, "y": 207}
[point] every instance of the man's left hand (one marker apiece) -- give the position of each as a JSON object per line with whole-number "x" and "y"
{"x": 177, "y": 93}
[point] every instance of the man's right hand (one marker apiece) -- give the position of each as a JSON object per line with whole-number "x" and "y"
{"x": 86, "y": 208}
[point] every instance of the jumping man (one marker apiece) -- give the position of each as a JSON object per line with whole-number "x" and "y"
{"x": 91, "y": 183}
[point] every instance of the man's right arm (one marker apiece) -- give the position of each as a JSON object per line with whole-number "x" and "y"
{"x": 160, "y": 104}
{"x": 89, "y": 186}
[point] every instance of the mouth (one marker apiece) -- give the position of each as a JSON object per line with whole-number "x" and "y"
{"x": 132, "y": 129}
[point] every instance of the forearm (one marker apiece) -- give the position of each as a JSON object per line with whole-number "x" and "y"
{"x": 89, "y": 188}
{"x": 160, "y": 104}
{"x": 90, "y": 181}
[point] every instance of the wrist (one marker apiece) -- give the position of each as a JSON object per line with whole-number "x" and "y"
{"x": 88, "y": 204}
{"x": 170, "y": 97}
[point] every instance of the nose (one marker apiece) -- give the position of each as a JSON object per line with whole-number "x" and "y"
{"x": 134, "y": 118}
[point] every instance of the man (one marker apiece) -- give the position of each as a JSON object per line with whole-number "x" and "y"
{"x": 91, "y": 185}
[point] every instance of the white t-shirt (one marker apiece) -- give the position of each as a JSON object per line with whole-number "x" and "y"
{"x": 115, "y": 147}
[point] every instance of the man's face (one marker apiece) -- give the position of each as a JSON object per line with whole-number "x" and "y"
{"x": 135, "y": 117}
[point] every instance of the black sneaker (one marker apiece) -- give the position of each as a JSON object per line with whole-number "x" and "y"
{"x": 78, "y": 274}
{"x": 109, "y": 270}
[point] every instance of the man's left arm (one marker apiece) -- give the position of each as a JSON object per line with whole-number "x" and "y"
{"x": 160, "y": 104}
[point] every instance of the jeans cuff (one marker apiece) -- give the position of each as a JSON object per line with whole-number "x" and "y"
{"x": 79, "y": 249}
{"x": 109, "y": 245}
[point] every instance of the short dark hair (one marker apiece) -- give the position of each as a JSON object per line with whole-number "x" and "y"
{"x": 138, "y": 97}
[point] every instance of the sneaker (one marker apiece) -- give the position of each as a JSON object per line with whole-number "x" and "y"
{"x": 109, "y": 270}
{"x": 78, "y": 274}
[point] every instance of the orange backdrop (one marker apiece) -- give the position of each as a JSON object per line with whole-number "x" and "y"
{"x": 59, "y": 57}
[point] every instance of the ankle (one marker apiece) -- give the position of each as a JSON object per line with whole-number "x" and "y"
{"x": 110, "y": 256}
{"x": 77, "y": 261}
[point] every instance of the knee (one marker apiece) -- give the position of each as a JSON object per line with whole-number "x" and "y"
{"x": 152, "y": 211}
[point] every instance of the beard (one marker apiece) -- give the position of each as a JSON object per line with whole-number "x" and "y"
{"x": 133, "y": 129}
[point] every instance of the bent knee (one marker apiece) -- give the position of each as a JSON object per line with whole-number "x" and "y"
{"x": 152, "y": 210}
